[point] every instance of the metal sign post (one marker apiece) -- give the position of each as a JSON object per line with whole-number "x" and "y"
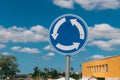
{"x": 67, "y": 73}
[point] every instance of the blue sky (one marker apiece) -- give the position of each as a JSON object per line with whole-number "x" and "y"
{"x": 24, "y": 28}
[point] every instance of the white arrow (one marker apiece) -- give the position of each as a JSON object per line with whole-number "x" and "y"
{"x": 71, "y": 47}
{"x": 79, "y": 26}
{"x": 58, "y": 24}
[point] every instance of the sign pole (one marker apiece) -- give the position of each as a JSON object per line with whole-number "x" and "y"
{"x": 67, "y": 73}
{"x": 64, "y": 41}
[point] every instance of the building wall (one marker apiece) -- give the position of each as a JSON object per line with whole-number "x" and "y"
{"x": 104, "y": 68}
{"x": 112, "y": 79}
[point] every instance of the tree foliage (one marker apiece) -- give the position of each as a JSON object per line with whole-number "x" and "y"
{"x": 8, "y": 65}
{"x": 36, "y": 72}
{"x": 52, "y": 73}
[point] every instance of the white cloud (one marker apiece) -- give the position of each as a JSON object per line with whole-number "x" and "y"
{"x": 5, "y": 53}
{"x": 95, "y": 57}
{"x": 25, "y": 50}
{"x": 103, "y": 31}
{"x": 2, "y": 46}
{"x": 51, "y": 54}
{"x": 15, "y": 48}
{"x": 64, "y": 3}
{"x": 99, "y": 4}
{"x": 104, "y": 45}
{"x": 89, "y": 4}
{"x": 29, "y": 50}
{"x": 48, "y": 47}
{"x": 104, "y": 36}
{"x": 17, "y": 34}
{"x": 114, "y": 42}
{"x": 39, "y": 30}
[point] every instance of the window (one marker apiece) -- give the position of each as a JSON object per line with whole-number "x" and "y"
{"x": 99, "y": 68}
{"x": 94, "y": 69}
{"x": 102, "y": 68}
{"x": 88, "y": 68}
{"x": 106, "y": 65}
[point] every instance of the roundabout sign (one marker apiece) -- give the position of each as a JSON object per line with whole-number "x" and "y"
{"x": 68, "y": 34}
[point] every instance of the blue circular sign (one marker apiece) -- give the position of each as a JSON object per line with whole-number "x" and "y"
{"x": 68, "y": 34}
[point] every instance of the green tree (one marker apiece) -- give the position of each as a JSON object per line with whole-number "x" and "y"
{"x": 46, "y": 70}
{"x": 54, "y": 73}
{"x": 36, "y": 72}
{"x": 71, "y": 69}
{"x": 75, "y": 76}
{"x": 8, "y": 65}
{"x": 46, "y": 74}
